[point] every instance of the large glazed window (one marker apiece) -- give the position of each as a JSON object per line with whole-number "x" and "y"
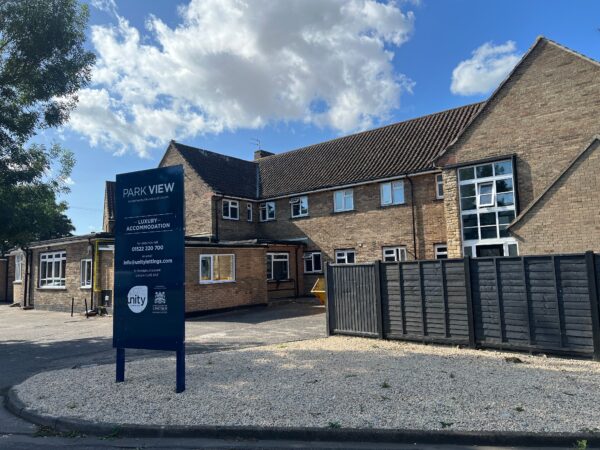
{"x": 217, "y": 268}
{"x": 53, "y": 266}
{"x": 487, "y": 205}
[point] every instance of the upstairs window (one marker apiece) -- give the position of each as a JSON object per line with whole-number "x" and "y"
{"x": 249, "y": 212}
{"x": 441, "y": 251}
{"x": 312, "y": 262}
{"x": 267, "y": 211}
{"x": 345, "y": 256}
{"x": 19, "y": 259}
{"x": 217, "y": 269}
{"x": 439, "y": 186}
{"x": 53, "y": 266}
{"x": 86, "y": 273}
{"x": 278, "y": 266}
{"x": 343, "y": 200}
{"x": 231, "y": 209}
{"x": 394, "y": 254}
{"x": 392, "y": 193}
{"x": 299, "y": 206}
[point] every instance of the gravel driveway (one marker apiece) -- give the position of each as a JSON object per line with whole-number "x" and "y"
{"x": 337, "y": 381}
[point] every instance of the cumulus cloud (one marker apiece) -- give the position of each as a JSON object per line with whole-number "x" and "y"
{"x": 484, "y": 71}
{"x": 233, "y": 64}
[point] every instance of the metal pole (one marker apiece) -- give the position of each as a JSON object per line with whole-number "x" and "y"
{"x": 86, "y": 309}
{"x": 180, "y": 369}
{"x": 120, "y": 365}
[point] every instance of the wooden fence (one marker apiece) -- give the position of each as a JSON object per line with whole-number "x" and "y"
{"x": 543, "y": 303}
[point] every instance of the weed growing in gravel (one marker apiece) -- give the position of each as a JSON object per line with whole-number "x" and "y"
{"x": 519, "y": 409}
{"x": 44, "y": 431}
{"x": 446, "y": 424}
{"x": 582, "y": 444}
{"x": 385, "y": 385}
{"x": 72, "y": 405}
{"x": 112, "y": 435}
{"x": 350, "y": 375}
{"x": 334, "y": 425}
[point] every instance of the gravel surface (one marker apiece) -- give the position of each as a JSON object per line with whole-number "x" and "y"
{"x": 331, "y": 382}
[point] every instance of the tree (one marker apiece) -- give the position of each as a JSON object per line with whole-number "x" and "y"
{"x": 43, "y": 64}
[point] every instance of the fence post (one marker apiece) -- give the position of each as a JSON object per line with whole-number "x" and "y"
{"x": 378, "y": 299}
{"x": 470, "y": 309}
{"x": 593, "y": 291}
{"x": 328, "y": 298}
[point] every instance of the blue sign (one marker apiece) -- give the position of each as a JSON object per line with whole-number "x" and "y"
{"x": 149, "y": 300}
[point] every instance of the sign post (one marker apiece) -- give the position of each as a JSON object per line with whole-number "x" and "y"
{"x": 149, "y": 300}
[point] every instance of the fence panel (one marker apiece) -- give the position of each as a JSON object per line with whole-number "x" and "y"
{"x": 353, "y": 296}
{"x": 535, "y": 303}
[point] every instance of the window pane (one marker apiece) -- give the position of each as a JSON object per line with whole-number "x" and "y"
{"x": 484, "y": 171}
{"x": 205, "y": 271}
{"x": 505, "y": 199}
{"x": 487, "y": 219}
{"x": 349, "y": 201}
{"x": 504, "y": 185}
{"x": 386, "y": 194}
{"x": 467, "y": 173}
{"x": 504, "y": 231}
{"x": 398, "y": 192}
{"x": 339, "y": 200}
{"x": 317, "y": 262}
{"x": 489, "y": 232}
{"x": 467, "y": 190}
{"x": 512, "y": 250}
{"x": 350, "y": 257}
{"x": 485, "y": 188}
{"x": 468, "y": 203}
{"x": 308, "y": 265}
{"x": 280, "y": 270}
{"x": 505, "y": 217}
{"x": 225, "y": 209}
{"x": 223, "y": 268}
{"x": 269, "y": 267}
{"x": 468, "y": 251}
{"x": 503, "y": 168}
{"x": 469, "y": 220}
{"x": 470, "y": 233}
{"x": 234, "y": 210}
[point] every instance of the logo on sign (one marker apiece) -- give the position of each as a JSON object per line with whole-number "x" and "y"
{"x": 137, "y": 298}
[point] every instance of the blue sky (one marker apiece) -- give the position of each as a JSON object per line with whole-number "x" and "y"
{"x": 216, "y": 75}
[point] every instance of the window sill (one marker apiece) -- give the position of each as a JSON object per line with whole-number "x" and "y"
{"x": 314, "y": 273}
{"x": 18, "y": 282}
{"x": 439, "y": 199}
{"x": 348, "y": 211}
{"x": 84, "y": 288}
{"x": 300, "y": 217}
{"x": 229, "y": 218}
{"x": 397, "y": 205}
{"x": 268, "y": 220}
{"x": 287, "y": 280}
{"x": 217, "y": 282}
{"x": 51, "y": 288}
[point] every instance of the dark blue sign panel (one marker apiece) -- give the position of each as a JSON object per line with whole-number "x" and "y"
{"x": 149, "y": 302}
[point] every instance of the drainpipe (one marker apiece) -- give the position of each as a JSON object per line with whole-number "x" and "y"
{"x": 216, "y": 199}
{"x": 296, "y": 264}
{"x": 28, "y": 277}
{"x": 412, "y": 207}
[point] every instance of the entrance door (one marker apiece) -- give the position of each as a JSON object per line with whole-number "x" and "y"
{"x": 490, "y": 250}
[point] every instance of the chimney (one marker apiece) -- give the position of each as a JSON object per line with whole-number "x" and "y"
{"x": 261, "y": 154}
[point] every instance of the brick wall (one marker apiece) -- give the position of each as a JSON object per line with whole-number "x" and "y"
{"x": 567, "y": 218}
{"x": 250, "y": 287}
{"x": 198, "y": 197}
{"x": 228, "y": 229}
{"x": 295, "y": 285}
{"x": 545, "y": 114}
{"x": 369, "y": 227}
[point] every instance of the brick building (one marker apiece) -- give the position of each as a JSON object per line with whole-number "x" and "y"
{"x": 513, "y": 175}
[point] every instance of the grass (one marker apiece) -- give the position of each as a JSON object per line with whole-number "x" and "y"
{"x": 582, "y": 444}
{"x": 446, "y": 424}
{"x": 385, "y": 385}
{"x": 45, "y": 431}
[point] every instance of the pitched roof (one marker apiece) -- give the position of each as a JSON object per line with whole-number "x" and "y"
{"x": 490, "y": 100}
{"x": 548, "y": 191}
{"x": 109, "y": 195}
{"x": 224, "y": 174}
{"x": 402, "y": 148}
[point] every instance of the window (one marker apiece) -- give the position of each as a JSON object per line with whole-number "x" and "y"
{"x": 249, "y": 212}
{"x": 487, "y": 208}
{"x": 267, "y": 211}
{"x": 441, "y": 251}
{"x": 231, "y": 209}
{"x": 299, "y": 206}
{"x": 439, "y": 186}
{"x": 19, "y": 259}
{"x": 52, "y": 269}
{"x": 345, "y": 256}
{"x": 392, "y": 193}
{"x": 392, "y": 254}
{"x": 278, "y": 266}
{"x": 343, "y": 200}
{"x": 86, "y": 273}
{"x": 312, "y": 262}
{"x": 217, "y": 269}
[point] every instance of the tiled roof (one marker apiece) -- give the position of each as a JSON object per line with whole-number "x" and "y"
{"x": 224, "y": 174}
{"x": 110, "y": 199}
{"x": 401, "y": 148}
{"x": 393, "y": 150}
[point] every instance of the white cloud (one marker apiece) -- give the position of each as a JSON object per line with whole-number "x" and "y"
{"x": 489, "y": 65}
{"x": 234, "y": 64}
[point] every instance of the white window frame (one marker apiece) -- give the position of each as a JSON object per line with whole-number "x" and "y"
{"x": 299, "y": 201}
{"x": 19, "y": 259}
{"x": 398, "y": 253}
{"x": 249, "y": 212}
{"x": 85, "y": 273}
{"x": 396, "y": 192}
{"x": 341, "y": 256}
{"x": 310, "y": 256}
{"x": 345, "y": 195}
{"x": 211, "y": 259}
{"x": 277, "y": 256}
{"x": 440, "y": 251}
{"x": 439, "y": 186}
{"x": 492, "y": 194}
{"x": 264, "y": 211}
{"x": 231, "y": 204}
{"x": 55, "y": 280}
